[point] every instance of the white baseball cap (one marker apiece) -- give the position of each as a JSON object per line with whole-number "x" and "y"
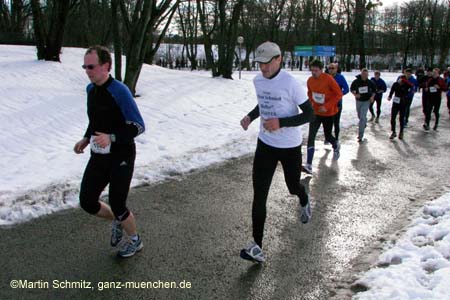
{"x": 266, "y": 51}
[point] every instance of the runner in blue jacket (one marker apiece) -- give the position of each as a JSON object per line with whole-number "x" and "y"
{"x": 381, "y": 88}
{"x": 333, "y": 71}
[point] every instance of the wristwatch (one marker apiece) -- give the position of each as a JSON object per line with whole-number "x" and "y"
{"x": 113, "y": 137}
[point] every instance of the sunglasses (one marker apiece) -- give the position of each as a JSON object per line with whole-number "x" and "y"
{"x": 89, "y": 67}
{"x": 332, "y": 68}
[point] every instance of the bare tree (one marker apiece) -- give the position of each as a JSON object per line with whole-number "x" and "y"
{"x": 49, "y": 27}
{"x": 250, "y": 29}
{"x": 13, "y": 18}
{"x": 139, "y": 24}
{"x": 188, "y": 23}
{"x": 208, "y": 18}
{"x": 227, "y": 34}
{"x": 444, "y": 34}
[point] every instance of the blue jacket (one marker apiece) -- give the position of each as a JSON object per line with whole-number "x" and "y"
{"x": 381, "y": 85}
{"x": 448, "y": 86}
{"x": 342, "y": 84}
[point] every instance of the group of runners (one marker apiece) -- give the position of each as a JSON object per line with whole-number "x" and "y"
{"x": 283, "y": 105}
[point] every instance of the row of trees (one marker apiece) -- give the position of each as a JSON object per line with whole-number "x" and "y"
{"x": 418, "y": 30}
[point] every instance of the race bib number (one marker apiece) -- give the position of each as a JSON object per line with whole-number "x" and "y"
{"x": 433, "y": 89}
{"x": 97, "y": 149}
{"x": 397, "y": 100}
{"x": 363, "y": 90}
{"x": 319, "y": 98}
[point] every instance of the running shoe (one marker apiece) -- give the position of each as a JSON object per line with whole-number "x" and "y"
{"x": 307, "y": 168}
{"x": 253, "y": 253}
{"x": 130, "y": 247}
{"x": 116, "y": 233}
{"x": 337, "y": 152}
{"x": 305, "y": 212}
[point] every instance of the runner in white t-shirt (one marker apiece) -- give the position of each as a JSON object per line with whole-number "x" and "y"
{"x": 279, "y": 98}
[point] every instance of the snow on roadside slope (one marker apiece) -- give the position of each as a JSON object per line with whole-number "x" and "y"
{"x": 192, "y": 121}
{"x": 418, "y": 265}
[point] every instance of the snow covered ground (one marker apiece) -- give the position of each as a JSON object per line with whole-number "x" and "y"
{"x": 192, "y": 121}
{"x": 417, "y": 266}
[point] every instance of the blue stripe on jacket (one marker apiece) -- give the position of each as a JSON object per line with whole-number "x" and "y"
{"x": 124, "y": 99}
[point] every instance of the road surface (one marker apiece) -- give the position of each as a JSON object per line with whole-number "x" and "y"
{"x": 194, "y": 226}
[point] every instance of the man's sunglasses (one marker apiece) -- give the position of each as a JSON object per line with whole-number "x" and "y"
{"x": 89, "y": 67}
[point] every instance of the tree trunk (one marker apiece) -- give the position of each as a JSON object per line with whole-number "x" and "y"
{"x": 360, "y": 17}
{"x": 39, "y": 30}
{"x": 56, "y": 30}
{"x": 117, "y": 41}
{"x": 49, "y": 44}
{"x": 228, "y": 35}
{"x": 207, "y": 40}
{"x": 137, "y": 45}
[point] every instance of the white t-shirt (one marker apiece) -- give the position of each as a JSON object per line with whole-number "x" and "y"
{"x": 279, "y": 97}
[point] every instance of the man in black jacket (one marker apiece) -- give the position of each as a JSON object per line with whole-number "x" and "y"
{"x": 434, "y": 88}
{"x": 400, "y": 90}
{"x": 422, "y": 85}
{"x": 364, "y": 91}
{"x": 114, "y": 122}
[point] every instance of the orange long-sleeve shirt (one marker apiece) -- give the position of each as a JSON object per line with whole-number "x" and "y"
{"x": 324, "y": 94}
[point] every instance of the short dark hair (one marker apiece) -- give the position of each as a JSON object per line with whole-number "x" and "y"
{"x": 104, "y": 56}
{"x": 364, "y": 70}
{"x": 316, "y": 63}
{"x": 408, "y": 70}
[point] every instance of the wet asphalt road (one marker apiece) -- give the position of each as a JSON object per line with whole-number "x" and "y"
{"x": 194, "y": 226}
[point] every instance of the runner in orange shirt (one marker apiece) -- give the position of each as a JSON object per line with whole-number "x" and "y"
{"x": 324, "y": 94}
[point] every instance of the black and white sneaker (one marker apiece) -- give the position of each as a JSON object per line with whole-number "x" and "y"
{"x": 305, "y": 212}
{"x": 253, "y": 253}
{"x": 116, "y": 233}
{"x": 337, "y": 151}
{"x": 426, "y": 127}
{"x": 130, "y": 247}
{"x": 307, "y": 168}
